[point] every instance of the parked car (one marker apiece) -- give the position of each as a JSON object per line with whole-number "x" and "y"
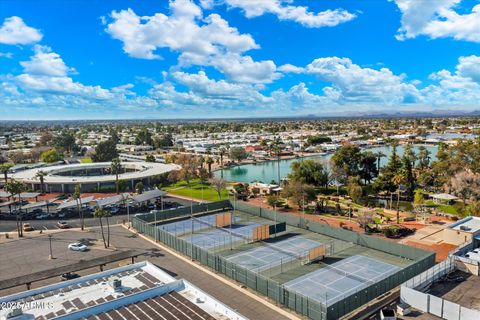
{"x": 114, "y": 210}
{"x": 42, "y": 216}
{"x": 69, "y": 276}
{"x": 77, "y": 246}
{"x": 27, "y": 227}
{"x": 63, "y": 225}
{"x": 62, "y": 214}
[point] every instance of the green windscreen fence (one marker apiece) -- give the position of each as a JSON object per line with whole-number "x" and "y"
{"x": 422, "y": 260}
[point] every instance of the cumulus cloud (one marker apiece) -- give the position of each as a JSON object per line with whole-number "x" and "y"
{"x": 290, "y": 68}
{"x": 204, "y": 41}
{"x": 351, "y": 83}
{"x": 460, "y": 87}
{"x": 45, "y": 62}
{"x": 438, "y": 19}
{"x": 47, "y": 72}
{"x": 15, "y": 31}
{"x": 287, "y": 12}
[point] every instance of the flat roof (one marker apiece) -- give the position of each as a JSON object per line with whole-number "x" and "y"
{"x": 143, "y": 292}
{"x": 143, "y": 170}
{"x": 73, "y": 203}
{"x": 148, "y": 195}
{"x": 468, "y": 224}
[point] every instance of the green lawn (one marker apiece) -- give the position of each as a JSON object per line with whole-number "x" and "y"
{"x": 195, "y": 190}
{"x": 443, "y": 207}
{"x": 86, "y": 160}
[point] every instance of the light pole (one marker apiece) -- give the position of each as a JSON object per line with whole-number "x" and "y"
{"x": 50, "y": 257}
{"x": 191, "y": 219}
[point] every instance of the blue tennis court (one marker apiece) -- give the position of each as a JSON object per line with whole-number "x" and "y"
{"x": 220, "y": 237}
{"x": 341, "y": 279}
{"x": 273, "y": 254}
{"x": 183, "y": 227}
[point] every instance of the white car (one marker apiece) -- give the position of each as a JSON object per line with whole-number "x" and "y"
{"x": 77, "y": 246}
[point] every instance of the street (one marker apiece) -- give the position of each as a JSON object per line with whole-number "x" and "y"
{"x": 11, "y": 225}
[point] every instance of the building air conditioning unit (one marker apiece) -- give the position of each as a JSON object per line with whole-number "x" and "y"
{"x": 116, "y": 284}
{"x": 14, "y": 313}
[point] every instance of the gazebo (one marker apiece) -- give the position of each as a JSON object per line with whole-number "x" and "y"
{"x": 443, "y": 198}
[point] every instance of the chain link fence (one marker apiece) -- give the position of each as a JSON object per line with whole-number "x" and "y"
{"x": 261, "y": 283}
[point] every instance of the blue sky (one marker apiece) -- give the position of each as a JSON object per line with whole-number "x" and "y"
{"x": 236, "y": 58}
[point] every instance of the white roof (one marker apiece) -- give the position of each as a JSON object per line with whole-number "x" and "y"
{"x": 443, "y": 196}
{"x": 142, "y": 170}
{"x": 94, "y": 294}
{"x": 73, "y": 203}
{"x": 468, "y": 224}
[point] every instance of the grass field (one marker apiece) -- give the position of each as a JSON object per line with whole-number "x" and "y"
{"x": 195, "y": 190}
{"x": 444, "y": 208}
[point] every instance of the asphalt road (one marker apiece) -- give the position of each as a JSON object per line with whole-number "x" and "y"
{"x": 11, "y": 225}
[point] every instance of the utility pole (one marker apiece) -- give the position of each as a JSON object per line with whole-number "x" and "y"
{"x": 191, "y": 219}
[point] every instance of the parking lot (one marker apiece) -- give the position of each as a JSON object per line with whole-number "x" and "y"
{"x": 8, "y": 223}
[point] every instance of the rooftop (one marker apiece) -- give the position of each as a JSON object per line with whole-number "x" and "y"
{"x": 468, "y": 224}
{"x": 137, "y": 291}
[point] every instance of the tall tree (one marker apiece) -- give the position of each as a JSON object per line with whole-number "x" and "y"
{"x": 116, "y": 166}
{"x": 101, "y": 213}
{"x": 221, "y": 152}
{"x": 210, "y": 161}
{"x": 310, "y": 172}
{"x": 4, "y": 168}
{"x": 15, "y": 188}
{"x": 105, "y": 151}
{"x": 368, "y": 167}
{"x": 41, "y": 176}
{"x": 299, "y": 193}
{"x": 77, "y": 194}
{"x": 398, "y": 179}
{"x": 238, "y": 154}
{"x": 347, "y": 159}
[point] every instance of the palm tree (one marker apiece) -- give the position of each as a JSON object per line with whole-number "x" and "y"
{"x": 210, "y": 161}
{"x": 115, "y": 166}
{"x": 221, "y": 152}
{"x": 41, "y": 175}
{"x": 397, "y": 180}
{"x": 77, "y": 196}
{"x": 102, "y": 213}
{"x": 379, "y": 156}
{"x": 4, "y": 169}
{"x": 15, "y": 188}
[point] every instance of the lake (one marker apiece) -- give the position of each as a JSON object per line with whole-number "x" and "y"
{"x": 268, "y": 171}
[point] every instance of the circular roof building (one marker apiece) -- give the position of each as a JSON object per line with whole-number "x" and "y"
{"x": 92, "y": 176}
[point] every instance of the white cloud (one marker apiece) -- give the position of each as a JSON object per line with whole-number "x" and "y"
{"x": 438, "y": 19}
{"x": 47, "y": 72}
{"x": 208, "y": 41}
{"x": 245, "y": 69}
{"x": 290, "y": 68}
{"x": 15, "y": 31}
{"x": 469, "y": 67}
{"x": 351, "y": 83}
{"x": 461, "y": 88}
{"x": 285, "y": 11}
{"x": 7, "y": 55}
{"x": 183, "y": 31}
{"x": 45, "y": 62}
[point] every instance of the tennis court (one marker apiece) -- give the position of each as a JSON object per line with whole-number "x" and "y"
{"x": 273, "y": 254}
{"x": 183, "y": 227}
{"x": 341, "y": 279}
{"x": 221, "y": 237}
